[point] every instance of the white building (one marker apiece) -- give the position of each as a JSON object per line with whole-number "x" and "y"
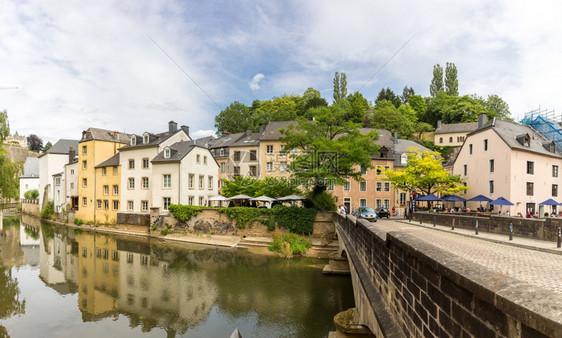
{"x": 52, "y": 162}
{"x": 136, "y": 167}
{"x": 30, "y": 178}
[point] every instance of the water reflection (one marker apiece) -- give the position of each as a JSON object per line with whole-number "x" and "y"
{"x": 187, "y": 290}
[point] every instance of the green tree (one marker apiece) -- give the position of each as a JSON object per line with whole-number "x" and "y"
{"x": 278, "y": 109}
{"x": 11, "y": 304}
{"x": 418, "y": 104}
{"x": 406, "y": 93}
{"x": 47, "y": 146}
{"x": 270, "y": 186}
{"x": 4, "y": 126}
{"x": 388, "y": 95}
{"x": 236, "y": 118}
{"x": 436, "y": 85}
{"x": 34, "y": 143}
{"x": 424, "y": 172}
{"x": 422, "y": 127}
{"x": 358, "y": 107}
{"x": 311, "y": 98}
{"x": 328, "y": 148}
{"x": 386, "y": 116}
{"x": 496, "y": 107}
{"x": 340, "y": 86}
{"x": 451, "y": 79}
{"x": 453, "y": 109}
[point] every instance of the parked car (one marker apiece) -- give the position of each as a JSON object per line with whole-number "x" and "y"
{"x": 383, "y": 212}
{"x": 367, "y": 213}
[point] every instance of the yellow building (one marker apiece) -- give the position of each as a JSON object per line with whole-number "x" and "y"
{"x": 273, "y": 163}
{"x": 98, "y": 147}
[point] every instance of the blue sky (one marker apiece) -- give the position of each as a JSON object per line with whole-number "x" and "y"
{"x": 80, "y": 64}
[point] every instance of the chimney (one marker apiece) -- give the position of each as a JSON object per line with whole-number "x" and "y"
{"x": 116, "y": 135}
{"x": 71, "y": 154}
{"x": 248, "y": 132}
{"x": 262, "y": 128}
{"x": 186, "y": 129}
{"x": 172, "y": 126}
{"x": 482, "y": 119}
{"x": 395, "y": 137}
{"x": 439, "y": 124}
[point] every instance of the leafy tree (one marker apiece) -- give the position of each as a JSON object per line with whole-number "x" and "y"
{"x": 34, "y": 143}
{"x": 270, "y": 186}
{"x": 358, "y": 107}
{"x": 47, "y": 146}
{"x": 340, "y": 86}
{"x": 418, "y": 104}
{"x": 31, "y": 194}
{"x": 236, "y": 118}
{"x": 451, "y": 80}
{"x": 311, "y": 98}
{"x": 436, "y": 85}
{"x": 388, "y": 95}
{"x": 406, "y": 93}
{"x": 328, "y": 148}
{"x": 386, "y": 116}
{"x": 279, "y": 109}
{"x": 495, "y": 107}
{"x": 4, "y": 126}
{"x": 424, "y": 172}
{"x": 453, "y": 109}
{"x": 11, "y": 304}
{"x": 422, "y": 127}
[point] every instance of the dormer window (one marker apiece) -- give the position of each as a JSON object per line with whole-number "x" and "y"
{"x": 404, "y": 159}
{"x": 133, "y": 140}
{"x": 145, "y": 138}
{"x": 524, "y": 140}
{"x": 550, "y": 146}
{"x": 167, "y": 152}
{"x": 383, "y": 151}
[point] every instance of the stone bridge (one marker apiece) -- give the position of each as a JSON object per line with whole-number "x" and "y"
{"x": 416, "y": 281}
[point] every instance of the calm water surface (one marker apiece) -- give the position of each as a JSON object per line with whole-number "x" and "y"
{"x": 58, "y": 282}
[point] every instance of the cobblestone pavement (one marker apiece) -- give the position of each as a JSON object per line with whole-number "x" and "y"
{"x": 542, "y": 269}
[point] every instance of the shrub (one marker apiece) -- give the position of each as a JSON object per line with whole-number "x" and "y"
{"x": 78, "y": 221}
{"x": 31, "y": 194}
{"x": 183, "y": 213}
{"x": 289, "y": 245}
{"x": 242, "y": 215}
{"x": 323, "y": 201}
{"x": 295, "y": 219}
{"x": 546, "y": 214}
{"x": 48, "y": 211}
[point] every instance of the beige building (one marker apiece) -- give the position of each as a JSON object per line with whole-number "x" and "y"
{"x": 511, "y": 160}
{"x": 273, "y": 162}
{"x": 452, "y": 135}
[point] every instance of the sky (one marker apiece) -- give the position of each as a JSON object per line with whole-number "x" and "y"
{"x": 132, "y": 66}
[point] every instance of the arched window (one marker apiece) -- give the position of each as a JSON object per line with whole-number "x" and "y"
{"x": 145, "y": 138}
{"x": 167, "y": 152}
{"x": 451, "y": 139}
{"x": 440, "y": 140}
{"x": 133, "y": 140}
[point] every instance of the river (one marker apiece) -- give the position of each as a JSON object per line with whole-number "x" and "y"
{"x": 60, "y": 282}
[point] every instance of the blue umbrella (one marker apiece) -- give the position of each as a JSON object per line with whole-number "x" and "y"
{"x": 549, "y": 201}
{"x": 429, "y": 197}
{"x": 501, "y": 201}
{"x": 480, "y": 198}
{"x": 453, "y": 198}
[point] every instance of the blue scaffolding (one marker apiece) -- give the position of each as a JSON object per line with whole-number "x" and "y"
{"x": 543, "y": 122}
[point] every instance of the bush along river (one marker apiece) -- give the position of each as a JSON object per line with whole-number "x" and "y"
{"x": 61, "y": 282}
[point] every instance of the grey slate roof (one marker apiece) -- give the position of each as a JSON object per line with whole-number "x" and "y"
{"x": 31, "y": 167}
{"x": 456, "y": 128}
{"x": 62, "y": 147}
{"x": 271, "y": 131}
{"x": 226, "y": 140}
{"x": 153, "y": 140}
{"x": 247, "y": 140}
{"x": 110, "y": 162}
{"x": 508, "y": 131}
{"x": 104, "y": 135}
{"x": 178, "y": 151}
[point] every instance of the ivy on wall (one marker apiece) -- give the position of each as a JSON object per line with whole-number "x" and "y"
{"x": 183, "y": 213}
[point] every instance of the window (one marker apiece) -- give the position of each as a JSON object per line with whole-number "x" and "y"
{"x": 236, "y": 171}
{"x": 71, "y": 185}
{"x": 530, "y": 188}
{"x": 144, "y": 205}
{"x": 346, "y": 186}
{"x": 131, "y": 183}
{"x": 253, "y": 155}
{"x": 106, "y": 189}
{"x": 144, "y": 260}
{"x": 190, "y": 181}
{"x": 492, "y": 166}
{"x": 330, "y": 185}
{"x": 133, "y": 140}
{"x": 167, "y": 181}
{"x": 283, "y": 167}
{"x": 554, "y": 171}
{"x": 379, "y": 186}
{"x": 84, "y": 150}
{"x": 491, "y": 186}
{"x": 204, "y": 159}
{"x": 201, "y": 201}
{"x": 198, "y": 158}
{"x": 130, "y": 205}
{"x": 363, "y": 202}
{"x": 451, "y": 139}
{"x": 253, "y": 171}
{"x": 99, "y": 204}
{"x": 210, "y": 182}
{"x": 114, "y": 170}
{"x": 363, "y": 170}
{"x": 386, "y": 186}
{"x": 145, "y": 138}
{"x": 201, "y": 182}
{"x": 72, "y": 171}
{"x": 105, "y": 253}
{"x": 145, "y": 163}
{"x": 104, "y": 171}
{"x": 402, "y": 198}
{"x": 106, "y": 204}
{"x": 269, "y": 166}
{"x": 440, "y": 140}
{"x": 465, "y": 169}
{"x": 84, "y": 201}
{"x": 115, "y": 205}
{"x": 223, "y": 167}
{"x": 555, "y": 190}
{"x": 379, "y": 203}
{"x": 236, "y": 156}
{"x": 486, "y": 145}
{"x": 167, "y": 152}
{"x": 115, "y": 190}
{"x": 131, "y": 164}
{"x": 362, "y": 186}
{"x": 269, "y": 149}
{"x": 222, "y": 152}
{"x": 84, "y": 182}
{"x": 129, "y": 258}
{"x": 57, "y": 180}
{"x": 470, "y": 149}
{"x": 460, "y": 138}
{"x": 144, "y": 182}
{"x": 84, "y": 164}
{"x": 530, "y": 167}
{"x": 190, "y": 200}
{"x": 115, "y": 255}
{"x": 166, "y": 201}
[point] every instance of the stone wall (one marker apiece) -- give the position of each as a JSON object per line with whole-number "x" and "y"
{"x": 212, "y": 221}
{"x": 542, "y": 228}
{"x": 30, "y": 207}
{"x": 133, "y": 219}
{"x": 429, "y": 292}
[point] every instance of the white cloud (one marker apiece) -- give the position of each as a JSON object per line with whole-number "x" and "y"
{"x": 202, "y": 133}
{"x": 255, "y": 83}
